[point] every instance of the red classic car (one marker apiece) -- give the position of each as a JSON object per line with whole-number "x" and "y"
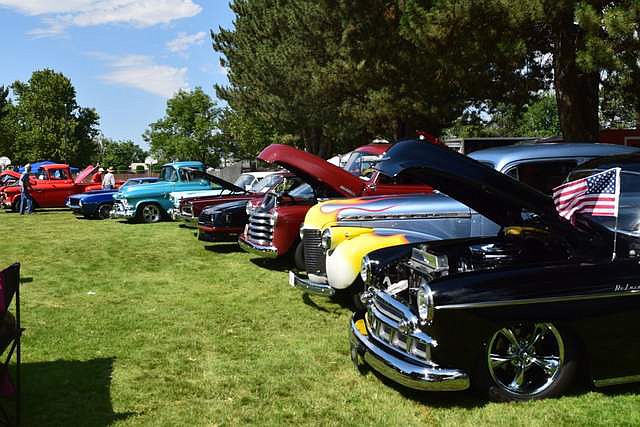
{"x": 51, "y": 188}
{"x": 274, "y": 226}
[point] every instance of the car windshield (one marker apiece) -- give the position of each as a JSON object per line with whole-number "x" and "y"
{"x": 168, "y": 173}
{"x": 266, "y": 183}
{"x": 244, "y": 180}
{"x": 629, "y": 204}
{"x": 6, "y": 179}
{"x": 188, "y": 175}
{"x": 360, "y": 163}
{"x": 304, "y": 191}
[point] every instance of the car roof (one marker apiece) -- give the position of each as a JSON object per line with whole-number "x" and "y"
{"x": 628, "y": 162}
{"x": 186, "y": 164}
{"x": 377, "y": 148}
{"x": 54, "y": 166}
{"x": 500, "y": 157}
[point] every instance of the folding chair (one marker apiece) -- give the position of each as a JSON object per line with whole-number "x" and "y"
{"x": 10, "y": 286}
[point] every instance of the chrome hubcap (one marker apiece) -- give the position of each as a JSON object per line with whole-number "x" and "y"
{"x": 526, "y": 359}
{"x": 151, "y": 213}
{"x": 104, "y": 211}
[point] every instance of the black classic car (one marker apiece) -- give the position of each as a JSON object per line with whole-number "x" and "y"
{"x": 516, "y": 315}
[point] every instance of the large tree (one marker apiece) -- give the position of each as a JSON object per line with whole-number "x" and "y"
{"x": 120, "y": 154}
{"x": 335, "y": 72}
{"x": 50, "y": 123}
{"x": 612, "y": 45}
{"x": 284, "y": 68}
{"x": 7, "y": 124}
{"x": 585, "y": 45}
{"x": 190, "y": 129}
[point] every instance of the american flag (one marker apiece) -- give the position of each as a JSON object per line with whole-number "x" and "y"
{"x": 597, "y": 195}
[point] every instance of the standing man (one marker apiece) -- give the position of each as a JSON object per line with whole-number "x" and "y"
{"x": 26, "y": 203}
{"x": 97, "y": 177}
{"x": 109, "y": 181}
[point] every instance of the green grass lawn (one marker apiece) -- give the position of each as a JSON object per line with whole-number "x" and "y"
{"x": 141, "y": 325}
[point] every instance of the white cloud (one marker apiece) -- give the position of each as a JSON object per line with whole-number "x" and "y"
{"x": 141, "y": 72}
{"x": 60, "y": 14}
{"x": 184, "y": 41}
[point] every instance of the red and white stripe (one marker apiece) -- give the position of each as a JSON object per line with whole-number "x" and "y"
{"x": 571, "y": 198}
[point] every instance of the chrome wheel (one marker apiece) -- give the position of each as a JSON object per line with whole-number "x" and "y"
{"x": 526, "y": 360}
{"x": 104, "y": 211}
{"x": 151, "y": 213}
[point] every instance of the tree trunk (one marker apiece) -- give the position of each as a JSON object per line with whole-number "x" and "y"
{"x": 577, "y": 92}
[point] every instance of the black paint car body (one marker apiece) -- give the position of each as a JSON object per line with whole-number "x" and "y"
{"x": 485, "y": 300}
{"x": 223, "y": 222}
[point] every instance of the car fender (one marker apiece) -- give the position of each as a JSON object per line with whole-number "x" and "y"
{"x": 165, "y": 204}
{"x": 343, "y": 262}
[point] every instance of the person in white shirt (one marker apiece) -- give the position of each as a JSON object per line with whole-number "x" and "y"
{"x": 109, "y": 181}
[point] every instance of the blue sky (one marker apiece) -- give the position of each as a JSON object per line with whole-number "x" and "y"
{"x": 124, "y": 57}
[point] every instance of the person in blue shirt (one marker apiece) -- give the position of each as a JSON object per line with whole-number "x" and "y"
{"x": 26, "y": 203}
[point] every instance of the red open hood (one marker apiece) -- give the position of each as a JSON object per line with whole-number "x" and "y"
{"x": 10, "y": 172}
{"x": 84, "y": 173}
{"x": 313, "y": 169}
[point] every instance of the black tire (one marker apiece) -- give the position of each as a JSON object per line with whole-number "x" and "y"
{"x": 527, "y": 361}
{"x": 298, "y": 257}
{"x": 352, "y": 296}
{"x": 149, "y": 213}
{"x": 15, "y": 206}
{"x": 103, "y": 211}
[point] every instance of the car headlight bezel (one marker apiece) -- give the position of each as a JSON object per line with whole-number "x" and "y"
{"x": 365, "y": 270}
{"x": 424, "y": 302}
{"x": 325, "y": 240}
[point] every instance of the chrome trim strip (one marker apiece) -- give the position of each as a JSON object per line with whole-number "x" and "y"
{"x": 260, "y": 227}
{"x": 364, "y": 351}
{"x": 427, "y": 215}
{"x": 617, "y": 380}
{"x": 261, "y": 221}
{"x": 538, "y": 300}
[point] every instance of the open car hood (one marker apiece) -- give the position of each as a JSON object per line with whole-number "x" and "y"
{"x": 221, "y": 182}
{"x": 84, "y": 173}
{"x": 490, "y": 193}
{"x": 313, "y": 169}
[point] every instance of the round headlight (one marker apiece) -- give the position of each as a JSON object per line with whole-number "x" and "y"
{"x": 326, "y": 239}
{"x": 365, "y": 270}
{"x": 424, "y": 300}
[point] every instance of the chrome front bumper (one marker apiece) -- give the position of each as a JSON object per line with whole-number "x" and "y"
{"x": 309, "y": 286}
{"x": 254, "y": 248}
{"x": 121, "y": 211}
{"x": 365, "y": 351}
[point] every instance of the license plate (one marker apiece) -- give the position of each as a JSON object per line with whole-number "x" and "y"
{"x": 292, "y": 278}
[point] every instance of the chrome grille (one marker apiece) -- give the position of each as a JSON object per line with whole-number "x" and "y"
{"x": 205, "y": 218}
{"x": 260, "y": 228}
{"x": 74, "y": 202}
{"x": 314, "y": 255}
{"x": 383, "y": 320}
{"x": 187, "y": 209}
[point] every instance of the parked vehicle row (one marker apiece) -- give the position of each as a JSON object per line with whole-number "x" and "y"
{"x": 459, "y": 269}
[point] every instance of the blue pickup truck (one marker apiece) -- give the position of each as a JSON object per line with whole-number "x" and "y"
{"x": 151, "y": 202}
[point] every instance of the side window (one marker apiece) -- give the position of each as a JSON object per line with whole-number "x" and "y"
{"x": 169, "y": 174}
{"x": 59, "y": 174}
{"x": 543, "y": 176}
